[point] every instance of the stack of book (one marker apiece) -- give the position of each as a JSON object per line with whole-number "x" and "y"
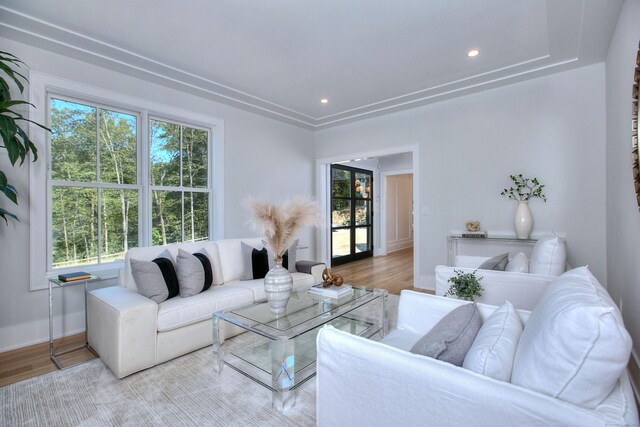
{"x": 332, "y": 291}
{"x": 475, "y": 234}
{"x": 72, "y": 277}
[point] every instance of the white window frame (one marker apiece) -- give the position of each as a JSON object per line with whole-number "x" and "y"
{"x": 40, "y": 88}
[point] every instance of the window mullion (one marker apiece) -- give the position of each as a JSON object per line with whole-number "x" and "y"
{"x": 99, "y": 191}
{"x": 181, "y": 183}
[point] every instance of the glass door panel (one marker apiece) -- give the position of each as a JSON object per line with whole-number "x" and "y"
{"x": 351, "y": 214}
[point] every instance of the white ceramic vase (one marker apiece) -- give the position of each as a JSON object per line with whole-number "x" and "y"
{"x": 523, "y": 221}
{"x": 278, "y": 284}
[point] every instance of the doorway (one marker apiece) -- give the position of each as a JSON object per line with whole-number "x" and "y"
{"x": 351, "y": 214}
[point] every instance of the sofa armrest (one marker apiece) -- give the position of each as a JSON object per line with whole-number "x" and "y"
{"x": 523, "y": 290}
{"x": 122, "y": 329}
{"x": 366, "y": 383}
{"x": 314, "y": 268}
{"x": 419, "y": 312}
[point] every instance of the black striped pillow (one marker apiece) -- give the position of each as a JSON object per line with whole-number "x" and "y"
{"x": 208, "y": 272}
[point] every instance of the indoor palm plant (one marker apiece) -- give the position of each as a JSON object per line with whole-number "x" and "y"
{"x": 279, "y": 224}
{"x": 14, "y": 138}
{"x": 464, "y": 285}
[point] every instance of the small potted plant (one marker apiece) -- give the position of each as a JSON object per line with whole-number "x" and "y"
{"x": 465, "y": 285}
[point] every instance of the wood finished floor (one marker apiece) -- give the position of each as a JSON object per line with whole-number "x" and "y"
{"x": 34, "y": 360}
{"x": 393, "y": 272}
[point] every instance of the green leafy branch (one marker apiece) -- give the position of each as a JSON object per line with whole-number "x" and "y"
{"x": 464, "y": 285}
{"x": 525, "y": 189}
{"x": 14, "y": 138}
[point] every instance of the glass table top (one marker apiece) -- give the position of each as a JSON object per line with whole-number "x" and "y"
{"x": 304, "y": 312}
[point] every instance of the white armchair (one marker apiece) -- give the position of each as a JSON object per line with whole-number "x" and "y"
{"x": 366, "y": 383}
{"x": 523, "y": 290}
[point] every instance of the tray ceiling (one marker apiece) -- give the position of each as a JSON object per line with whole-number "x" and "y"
{"x": 279, "y": 58}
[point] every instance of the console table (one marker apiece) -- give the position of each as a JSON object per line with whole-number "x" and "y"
{"x": 486, "y": 246}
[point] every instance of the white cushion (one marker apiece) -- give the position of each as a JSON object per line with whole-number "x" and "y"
{"x": 549, "y": 257}
{"x": 401, "y": 338}
{"x": 231, "y": 260}
{"x": 574, "y": 346}
{"x": 518, "y": 264}
{"x": 494, "y": 348}
{"x": 149, "y": 253}
{"x": 300, "y": 281}
{"x": 177, "y": 312}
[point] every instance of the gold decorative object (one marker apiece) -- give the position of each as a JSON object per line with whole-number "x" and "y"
{"x": 329, "y": 278}
{"x": 472, "y": 225}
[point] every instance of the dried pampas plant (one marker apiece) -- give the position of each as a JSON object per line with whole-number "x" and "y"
{"x": 280, "y": 224}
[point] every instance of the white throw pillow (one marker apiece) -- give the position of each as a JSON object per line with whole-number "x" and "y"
{"x": 574, "y": 346}
{"x": 518, "y": 264}
{"x": 494, "y": 348}
{"x": 549, "y": 257}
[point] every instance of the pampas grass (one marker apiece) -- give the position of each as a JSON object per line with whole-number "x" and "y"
{"x": 280, "y": 224}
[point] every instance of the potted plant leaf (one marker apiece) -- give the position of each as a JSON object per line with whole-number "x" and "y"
{"x": 14, "y": 138}
{"x": 465, "y": 285}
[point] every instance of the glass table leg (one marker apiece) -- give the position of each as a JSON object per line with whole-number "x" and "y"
{"x": 283, "y": 374}
{"x": 218, "y": 359}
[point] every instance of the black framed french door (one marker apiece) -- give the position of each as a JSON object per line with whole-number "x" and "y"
{"x": 351, "y": 214}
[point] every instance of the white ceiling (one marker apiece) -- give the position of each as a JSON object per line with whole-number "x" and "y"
{"x": 279, "y": 57}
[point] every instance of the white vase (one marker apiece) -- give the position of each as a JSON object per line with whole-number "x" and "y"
{"x": 523, "y": 221}
{"x": 278, "y": 284}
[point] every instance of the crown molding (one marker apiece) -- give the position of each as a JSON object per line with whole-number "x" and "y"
{"x": 27, "y": 29}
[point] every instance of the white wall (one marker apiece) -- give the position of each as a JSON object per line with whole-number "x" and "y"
{"x": 552, "y": 127}
{"x": 263, "y": 157}
{"x": 623, "y": 217}
{"x": 399, "y": 202}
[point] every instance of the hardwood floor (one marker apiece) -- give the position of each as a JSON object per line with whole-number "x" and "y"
{"x": 393, "y": 272}
{"x": 28, "y": 362}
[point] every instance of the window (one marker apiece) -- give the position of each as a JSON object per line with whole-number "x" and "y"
{"x": 115, "y": 173}
{"x": 93, "y": 183}
{"x": 179, "y": 183}
{"x": 95, "y": 188}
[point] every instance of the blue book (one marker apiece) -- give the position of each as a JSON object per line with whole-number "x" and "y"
{"x": 77, "y": 275}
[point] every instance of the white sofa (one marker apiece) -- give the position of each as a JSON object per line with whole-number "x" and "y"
{"x": 366, "y": 383}
{"x": 131, "y": 332}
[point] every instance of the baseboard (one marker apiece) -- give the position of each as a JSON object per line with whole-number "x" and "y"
{"x": 36, "y": 332}
{"x": 634, "y": 374}
{"x": 426, "y": 281}
{"x": 398, "y": 245}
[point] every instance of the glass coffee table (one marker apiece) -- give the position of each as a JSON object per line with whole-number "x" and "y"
{"x": 278, "y": 351}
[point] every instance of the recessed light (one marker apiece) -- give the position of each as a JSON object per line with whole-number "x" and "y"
{"x": 324, "y": 100}
{"x": 473, "y": 52}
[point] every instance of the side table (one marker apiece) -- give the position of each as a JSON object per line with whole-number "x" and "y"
{"x": 54, "y": 281}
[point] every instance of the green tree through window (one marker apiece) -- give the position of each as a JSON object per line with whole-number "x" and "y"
{"x": 96, "y": 189}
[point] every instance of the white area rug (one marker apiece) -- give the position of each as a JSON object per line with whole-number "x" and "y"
{"x": 182, "y": 392}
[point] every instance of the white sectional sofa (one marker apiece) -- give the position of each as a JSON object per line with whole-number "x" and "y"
{"x": 131, "y": 332}
{"x": 575, "y": 333}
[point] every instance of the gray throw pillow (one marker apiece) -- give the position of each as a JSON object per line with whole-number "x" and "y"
{"x": 451, "y": 338}
{"x": 190, "y": 274}
{"x": 247, "y": 263}
{"x": 149, "y": 280}
{"x": 497, "y": 263}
